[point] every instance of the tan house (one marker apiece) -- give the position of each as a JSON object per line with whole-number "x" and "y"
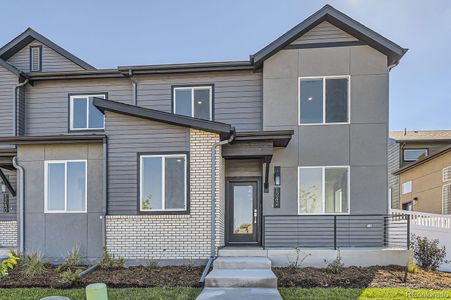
{"x": 425, "y": 185}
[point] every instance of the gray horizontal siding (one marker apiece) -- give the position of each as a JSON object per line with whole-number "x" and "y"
{"x": 51, "y": 60}
{"x": 325, "y": 33}
{"x": 393, "y": 165}
{"x": 127, "y": 136}
{"x": 12, "y": 200}
{"x": 7, "y": 83}
{"x": 238, "y": 98}
{"x": 21, "y": 111}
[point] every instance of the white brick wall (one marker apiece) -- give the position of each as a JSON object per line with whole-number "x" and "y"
{"x": 8, "y": 234}
{"x": 175, "y": 236}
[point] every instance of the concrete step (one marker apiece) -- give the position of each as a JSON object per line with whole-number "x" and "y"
{"x": 255, "y": 278}
{"x": 239, "y": 293}
{"x": 242, "y": 251}
{"x": 242, "y": 262}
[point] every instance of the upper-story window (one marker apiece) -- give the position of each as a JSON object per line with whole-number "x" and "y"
{"x": 413, "y": 154}
{"x": 194, "y": 102}
{"x": 83, "y": 114}
{"x": 324, "y": 100}
{"x": 35, "y": 58}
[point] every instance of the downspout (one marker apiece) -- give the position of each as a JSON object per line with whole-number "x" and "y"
{"x": 20, "y": 197}
{"x": 213, "y": 203}
{"x": 134, "y": 87}
{"x": 105, "y": 191}
{"x": 16, "y": 88}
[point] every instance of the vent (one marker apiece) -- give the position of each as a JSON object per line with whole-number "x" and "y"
{"x": 446, "y": 199}
{"x": 447, "y": 173}
{"x": 35, "y": 59}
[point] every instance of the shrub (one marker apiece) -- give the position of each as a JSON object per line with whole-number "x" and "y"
{"x": 32, "y": 264}
{"x": 428, "y": 253}
{"x": 110, "y": 262}
{"x": 336, "y": 266}
{"x": 152, "y": 264}
{"x": 73, "y": 259}
{"x": 69, "y": 277}
{"x": 298, "y": 260}
{"x": 8, "y": 264}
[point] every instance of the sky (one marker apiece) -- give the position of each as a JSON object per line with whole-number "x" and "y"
{"x": 114, "y": 33}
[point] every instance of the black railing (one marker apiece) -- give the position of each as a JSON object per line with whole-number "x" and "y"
{"x": 336, "y": 231}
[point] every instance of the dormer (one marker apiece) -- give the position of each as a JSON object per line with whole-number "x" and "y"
{"x": 31, "y": 52}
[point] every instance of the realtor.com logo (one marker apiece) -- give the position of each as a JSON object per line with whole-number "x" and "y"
{"x": 428, "y": 294}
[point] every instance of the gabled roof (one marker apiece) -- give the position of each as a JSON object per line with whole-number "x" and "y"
{"x": 28, "y": 36}
{"x": 340, "y": 20}
{"x": 12, "y": 69}
{"x": 423, "y": 160}
{"x": 223, "y": 129}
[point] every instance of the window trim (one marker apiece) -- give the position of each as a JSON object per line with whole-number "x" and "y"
{"x": 402, "y": 187}
{"x": 412, "y": 149}
{"x": 40, "y": 58}
{"x": 186, "y": 210}
{"x": 348, "y": 77}
{"x": 444, "y": 171}
{"x": 211, "y": 87}
{"x": 70, "y": 98}
{"x": 323, "y": 182}
{"x": 445, "y": 186}
{"x": 65, "y": 211}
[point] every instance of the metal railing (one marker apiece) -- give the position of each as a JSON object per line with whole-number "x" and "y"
{"x": 426, "y": 219}
{"x": 336, "y": 231}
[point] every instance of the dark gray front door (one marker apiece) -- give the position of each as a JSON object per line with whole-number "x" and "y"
{"x": 243, "y": 216}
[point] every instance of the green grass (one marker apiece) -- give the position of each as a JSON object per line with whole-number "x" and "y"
{"x": 191, "y": 294}
{"x": 362, "y": 294}
{"x": 113, "y": 294}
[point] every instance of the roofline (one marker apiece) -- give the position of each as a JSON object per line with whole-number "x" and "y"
{"x": 104, "y": 73}
{"x": 340, "y": 20}
{"x": 27, "y": 36}
{"x": 52, "y": 139}
{"x": 160, "y": 116}
{"x": 280, "y": 138}
{"x": 423, "y": 160}
{"x": 12, "y": 69}
{"x": 188, "y": 67}
{"x": 422, "y": 140}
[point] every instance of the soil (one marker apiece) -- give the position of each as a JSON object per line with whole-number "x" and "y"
{"x": 357, "y": 277}
{"x": 140, "y": 276}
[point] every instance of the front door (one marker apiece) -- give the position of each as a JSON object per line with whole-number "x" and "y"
{"x": 243, "y": 216}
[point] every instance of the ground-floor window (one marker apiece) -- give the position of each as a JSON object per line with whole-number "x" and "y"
{"x": 65, "y": 186}
{"x": 163, "y": 183}
{"x": 323, "y": 190}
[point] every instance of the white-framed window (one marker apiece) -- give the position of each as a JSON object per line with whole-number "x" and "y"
{"x": 446, "y": 174}
{"x": 407, "y": 187}
{"x": 324, "y": 100}
{"x": 83, "y": 114}
{"x": 414, "y": 154}
{"x": 323, "y": 190}
{"x": 196, "y": 101}
{"x": 446, "y": 199}
{"x": 65, "y": 186}
{"x": 163, "y": 183}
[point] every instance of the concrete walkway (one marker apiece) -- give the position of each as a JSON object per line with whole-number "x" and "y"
{"x": 241, "y": 278}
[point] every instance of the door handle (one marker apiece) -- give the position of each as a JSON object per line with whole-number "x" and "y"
{"x": 255, "y": 216}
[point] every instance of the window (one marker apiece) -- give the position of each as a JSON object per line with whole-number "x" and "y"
{"x": 193, "y": 102}
{"x": 65, "y": 186}
{"x": 323, "y": 190}
{"x": 163, "y": 182}
{"x": 35, "y": 58}
{"x": 407, "y": 187}
{"x": 324, "y": 100}
{"x": 447, "y": 173}
{"x": 414, "y": 154}
{"x": 84, "y": 115}
{"x": 407, "y": 206}
{"x": 446, "y": 199}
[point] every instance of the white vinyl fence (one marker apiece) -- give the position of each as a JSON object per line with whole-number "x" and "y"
{"x": 432, "y": 226}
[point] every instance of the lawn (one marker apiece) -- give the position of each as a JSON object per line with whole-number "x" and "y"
{"x": 191, "y": 293}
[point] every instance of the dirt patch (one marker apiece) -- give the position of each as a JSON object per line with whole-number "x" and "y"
{"x": 356, "y": 277}
{"x": 185, "y": 276}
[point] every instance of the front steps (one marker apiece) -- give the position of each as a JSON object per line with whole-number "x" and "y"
{"x": 241, "y": 278}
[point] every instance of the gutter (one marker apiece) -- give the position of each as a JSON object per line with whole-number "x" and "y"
{"x": 20, "y": 198}
{"x": 213, "y": 203}
{"x": 16, "y": 88}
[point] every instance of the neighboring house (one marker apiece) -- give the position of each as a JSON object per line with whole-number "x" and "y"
{"x": 126, "y": 158}
{"x": 404, "y": 148}
{"x": 426, "y": 183}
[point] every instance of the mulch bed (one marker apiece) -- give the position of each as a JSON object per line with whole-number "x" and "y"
{"x": 185, "y": 276}
{"x": 357, "y": 277}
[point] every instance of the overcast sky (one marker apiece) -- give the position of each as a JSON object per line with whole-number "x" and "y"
{"x": 111, "y": 33}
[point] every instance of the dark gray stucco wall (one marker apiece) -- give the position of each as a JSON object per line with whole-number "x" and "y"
{"x": 362, "y": 144}
{"x": 54, "y": 234}
{"x": 128, "y": 136}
